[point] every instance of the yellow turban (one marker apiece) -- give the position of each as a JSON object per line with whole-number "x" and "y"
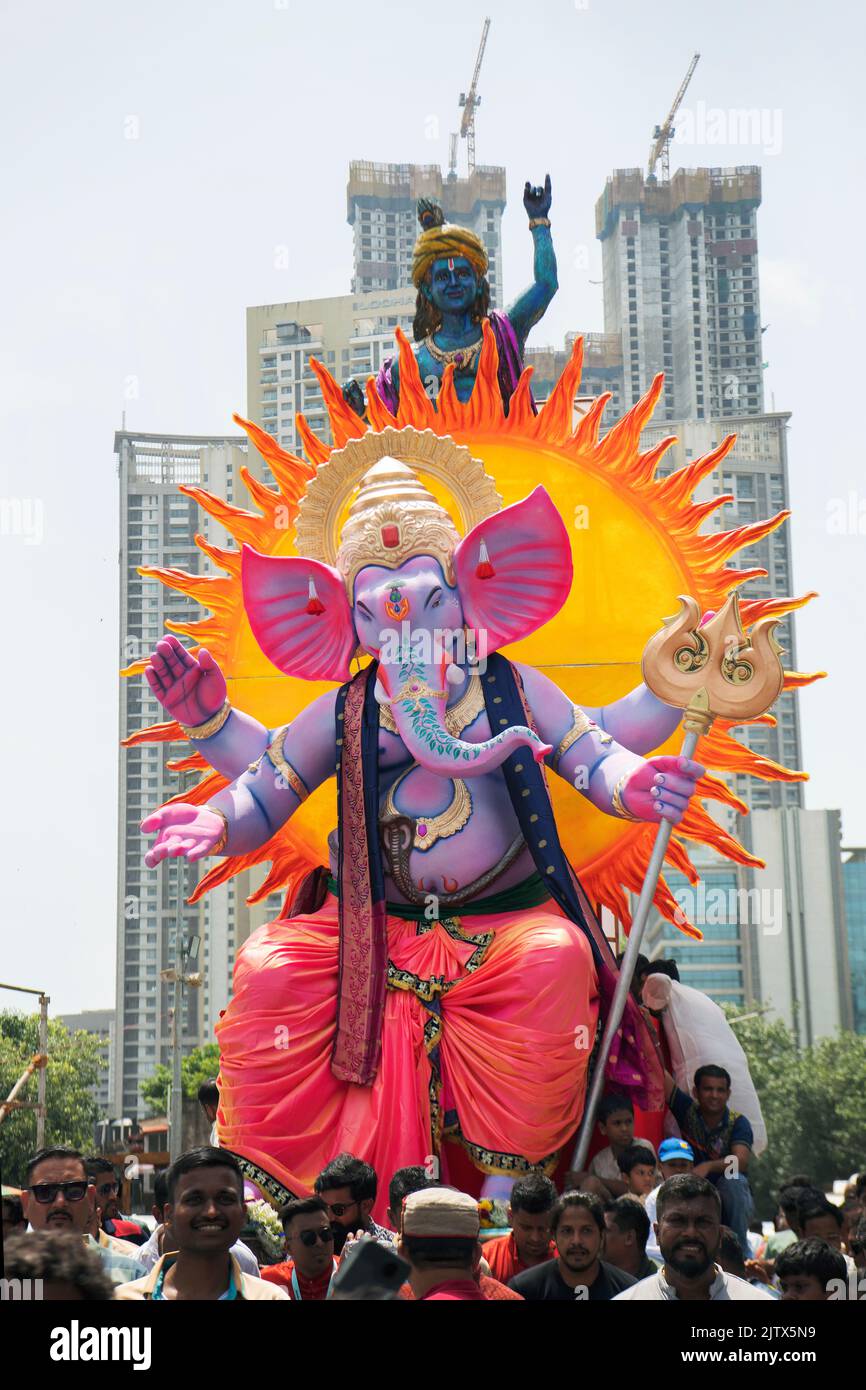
{"x": 438, "y": 243}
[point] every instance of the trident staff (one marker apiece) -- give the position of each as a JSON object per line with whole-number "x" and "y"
{"x": 710, "y": 671}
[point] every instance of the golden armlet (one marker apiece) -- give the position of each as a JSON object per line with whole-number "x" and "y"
{"x": 285, "y": 769}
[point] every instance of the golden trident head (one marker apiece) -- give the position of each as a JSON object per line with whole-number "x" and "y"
{"x": 714, "y": 671}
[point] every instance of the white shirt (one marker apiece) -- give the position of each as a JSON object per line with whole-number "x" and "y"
{"x": 605, "y": 1166}
{"x": 652, "y": 1245}
{"x": 150, "y": 1252}
{"x": 724, "y": 1288}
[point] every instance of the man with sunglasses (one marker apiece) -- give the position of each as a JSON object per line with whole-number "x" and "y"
{"x": 348, "y": 1187}
{"x": 103, "y": 1176}
{"x": 59, "y": 1198}
{"x": 309, "y": 1271}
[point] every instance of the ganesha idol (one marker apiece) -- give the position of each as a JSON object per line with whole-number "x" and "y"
{"x": 434, "y": 993}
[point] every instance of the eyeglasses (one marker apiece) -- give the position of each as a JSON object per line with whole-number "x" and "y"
{"x": 340, "y": 1208}
{"x": 107, "y": 1189}
{"x": 308, "y": 1238}
{"x": 46, "y": 1192}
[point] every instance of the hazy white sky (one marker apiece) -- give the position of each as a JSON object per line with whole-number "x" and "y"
{"x": 156, "y": 155}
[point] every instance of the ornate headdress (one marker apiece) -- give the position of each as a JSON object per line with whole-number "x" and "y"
{"x": 393, "y": 516}
{"x": 440, "y": 239}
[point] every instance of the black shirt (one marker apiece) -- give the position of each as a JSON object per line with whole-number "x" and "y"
{"x": 544, "y": 1284}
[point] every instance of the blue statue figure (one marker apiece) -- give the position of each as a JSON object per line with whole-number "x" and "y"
{"x": 450, "y": 273}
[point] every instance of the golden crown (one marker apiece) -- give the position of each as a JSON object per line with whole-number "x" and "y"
{"x": 393, "y": 516}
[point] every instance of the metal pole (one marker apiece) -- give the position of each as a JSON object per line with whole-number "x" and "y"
{"x": 176, "y": 1115}
{"x": 41, "y": 1082}
{"x": 623, "y": 984}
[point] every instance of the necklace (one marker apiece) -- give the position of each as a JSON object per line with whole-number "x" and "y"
{"x": 463, "y": 358}
{"x": 460, "y": 715}
{"x": 429, "y": 829}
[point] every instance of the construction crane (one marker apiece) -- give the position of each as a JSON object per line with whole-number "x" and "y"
{"x": 452, "y": 157}
{"x": 664, "y": 134}
{"x": 470, "y": 101}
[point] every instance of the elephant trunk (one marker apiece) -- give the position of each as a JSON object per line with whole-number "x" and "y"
{"x": 418, "y": 695}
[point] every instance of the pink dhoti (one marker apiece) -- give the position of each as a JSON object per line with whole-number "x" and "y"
{"x": 489, "y": 1022}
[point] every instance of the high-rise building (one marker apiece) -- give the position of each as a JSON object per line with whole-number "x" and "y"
{"x": 381, "y": 208}
{"x": 773, "y": 937}
{"x": 99, "y": 1022}
{"x": 755, "y": 472}
{"x": 854, "y": 881}
{"x": 800, "y": 947}
{"x": 350, "y": 334}
{"x": 680, "y": 266}
{"x": 158, "y": 525}
{"x": 602, "y": 370}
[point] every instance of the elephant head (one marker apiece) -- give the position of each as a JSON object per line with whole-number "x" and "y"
{"x": 421, "y": 601}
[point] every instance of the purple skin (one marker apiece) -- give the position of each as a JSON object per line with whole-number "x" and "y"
{"x": 257, "y": 803}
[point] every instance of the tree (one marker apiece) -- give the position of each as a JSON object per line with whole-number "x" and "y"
{"x": 813, "y": 1101}
{"x": 74, "y": 1063}
{"x": 202, "y": 1064}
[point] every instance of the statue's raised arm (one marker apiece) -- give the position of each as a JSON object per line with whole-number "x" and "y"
{"x": 530, "y": 306}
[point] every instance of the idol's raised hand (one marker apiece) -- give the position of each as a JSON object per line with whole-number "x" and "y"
{"x": 537, "y": 200}
{"x": 660, "y": 790}
{"x": 190, "y": 689}
{"x": 192, "y": 831}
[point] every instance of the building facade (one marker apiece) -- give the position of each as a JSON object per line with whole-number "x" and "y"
{"x": 350, "y": 334}
{"x": 158, "y": 525}
{"x": 99, "y": 1022}
{"x": 680, "y": 266}
{"x": 381, "y": 209}
{"x": 854, "y": 881}
{"x": 755, "y": 473}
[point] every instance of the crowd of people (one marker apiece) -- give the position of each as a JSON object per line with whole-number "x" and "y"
{"x": 638, "y": 1225}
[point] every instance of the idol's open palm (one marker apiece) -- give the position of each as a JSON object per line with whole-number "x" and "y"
{"x": 191, "y": 689}
{"x": 192, "y": 831}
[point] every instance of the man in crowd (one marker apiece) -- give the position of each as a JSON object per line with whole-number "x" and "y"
{"x": 730, "y": 1259}
{"x": 721, "y": 1139}
{"x": 578, "y": 1272}
{"x": 14, "y": 1221}
{"x": 638, "y": 1168}
{"x": 65, "y": 1268}
{"x": 675, "y": 1157}
{"x": 688, "y": 1229}
{"x": 348, "y": 1187}
{"x": 528, "y": 1243}
{"x": 786, "y": 1217}
{"x": 616, "y": 1125}
{"x": 439, "y": 1238}
{"x": 811, "y": 1271}
{"x": 627, "y": 1230}
{"x": 103, "y": 1178}
{"x": 203, "y": 1218}
{"x": 209, "y": 1099}
{"x": 818, "y": 1219}
{"x": 59, "y": 1198}
{"x": 309, "y": 1271}
{"x": 162, "y": 1242}
{"x": 857, "y": 1245}
{"x": 405, "y": 1180}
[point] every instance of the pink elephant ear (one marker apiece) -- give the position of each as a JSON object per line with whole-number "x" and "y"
{"x": 299, "y": 614}
{"x": 514, "y": 570}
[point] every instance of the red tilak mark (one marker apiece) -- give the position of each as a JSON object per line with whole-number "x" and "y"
{"x": 450, "y": 263}
{"x": 390, "y": 536}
